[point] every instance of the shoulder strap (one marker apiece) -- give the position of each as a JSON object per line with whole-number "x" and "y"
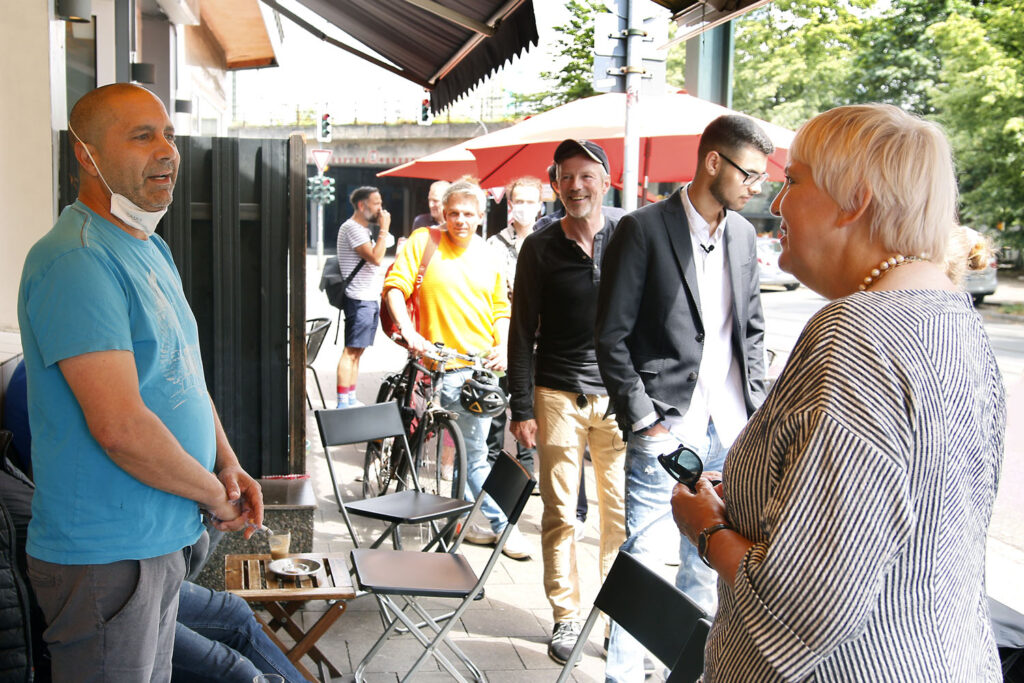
{"x": 508, "y": 245}
{"x": 362, "y": 262}
{"x": 428, "y": 253}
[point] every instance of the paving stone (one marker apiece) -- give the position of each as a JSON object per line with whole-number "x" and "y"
{"x": 534, "y": 653}
{"x": 523, "y": 676}
{"x": 526, "y": 596}
{"x": 502, "y": 620}
{"x": 396, "y": 656}
{"x": 491, "y": 653}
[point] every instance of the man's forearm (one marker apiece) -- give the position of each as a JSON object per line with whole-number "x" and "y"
{"x": 150, "y": 453}
{"x": 395, "y": 299}
{"x": 105, "y": 384}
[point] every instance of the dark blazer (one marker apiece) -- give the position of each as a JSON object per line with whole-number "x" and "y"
{"x": 650, "y": 335}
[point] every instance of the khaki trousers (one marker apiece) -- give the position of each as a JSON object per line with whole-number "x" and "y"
{"x": 563, "y": 431}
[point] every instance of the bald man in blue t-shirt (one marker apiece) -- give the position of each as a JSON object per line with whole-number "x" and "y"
{"x": 127, "y": 443}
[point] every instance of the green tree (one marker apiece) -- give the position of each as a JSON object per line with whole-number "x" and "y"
{"x": 896, "y": 61}
{"x": 575, "y": 49}
{"x": 958, "y": 62}
{"x": 675, "y": 62}
{"x": 979, "y": 98}
{"x": 794, "y": 58}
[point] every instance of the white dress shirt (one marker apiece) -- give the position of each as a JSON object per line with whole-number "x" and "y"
{"x": 718, "y": 395}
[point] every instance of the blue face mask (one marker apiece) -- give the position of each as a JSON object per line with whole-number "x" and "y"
{"x": 122, "y": 207}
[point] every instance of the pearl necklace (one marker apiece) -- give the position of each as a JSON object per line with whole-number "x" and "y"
{"x": 886, "y": 266}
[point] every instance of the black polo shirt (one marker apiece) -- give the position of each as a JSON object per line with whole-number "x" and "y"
{"x": 554, "y": 306}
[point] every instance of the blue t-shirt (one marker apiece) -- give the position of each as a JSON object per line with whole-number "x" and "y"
{"x": 89, "y": 286}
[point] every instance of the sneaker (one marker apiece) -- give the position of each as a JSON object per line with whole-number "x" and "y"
{"x": 563, "y": 640}
{"x": 353, "y": 403}
{"x": 579, "y": 529}
{"x": 516, "y": 546}
{"x": 447, "y": 464}
{"x": 480, "y": 535}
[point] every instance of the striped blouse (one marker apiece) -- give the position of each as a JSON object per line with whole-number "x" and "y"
{"x": 866, "y": 482}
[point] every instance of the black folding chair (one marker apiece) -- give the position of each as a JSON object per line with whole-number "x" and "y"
{"x": 660, "y": 616}
{"x": 390, "y": 574}
{"x": 412, "y": 506}
{"x": 316, "y": 330}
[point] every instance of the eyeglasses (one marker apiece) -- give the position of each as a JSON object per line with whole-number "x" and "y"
{"x": 684, "y": 466}
{"x": 748, "y": 177}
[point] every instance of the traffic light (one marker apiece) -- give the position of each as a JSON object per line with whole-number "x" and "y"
{"x": 328, "y": 190}
{"x": 323, "y": 133}
{"x": 320, "y": 189}
{"x": 425, "y": 118}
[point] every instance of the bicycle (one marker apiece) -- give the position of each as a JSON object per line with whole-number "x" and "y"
{"x": 432, "y": 432}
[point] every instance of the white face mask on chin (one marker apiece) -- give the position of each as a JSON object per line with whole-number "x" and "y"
{"x": 123, "y": 208}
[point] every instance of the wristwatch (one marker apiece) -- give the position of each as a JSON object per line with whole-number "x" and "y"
{"x": 702, "y": 541}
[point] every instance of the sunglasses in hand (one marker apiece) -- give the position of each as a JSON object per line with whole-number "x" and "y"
{"x": 685, "y": 467}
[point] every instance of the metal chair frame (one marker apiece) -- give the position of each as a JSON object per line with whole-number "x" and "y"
{"x": 316, "y": 331}
{"x": 390, "y": 574}
{"x": 412, "y": 506}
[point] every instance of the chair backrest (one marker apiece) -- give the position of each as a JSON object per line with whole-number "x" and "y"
{"x": 510, "y": 485}
{"x": 660, "y": 616}
{"x": 359, "y": 424}
{"x": 690, "y": 665}
{"x": 316, "y": 331}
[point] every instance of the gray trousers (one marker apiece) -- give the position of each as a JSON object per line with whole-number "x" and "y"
{"x": 110, "y": 622}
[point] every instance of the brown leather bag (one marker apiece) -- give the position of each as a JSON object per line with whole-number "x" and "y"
{"x": 412, "y": 303}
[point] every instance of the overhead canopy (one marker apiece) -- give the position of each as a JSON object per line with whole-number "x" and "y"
{"x": 696, "y": 16}
{"x": 447, "y": 46}
{"x": 237, "y": 27}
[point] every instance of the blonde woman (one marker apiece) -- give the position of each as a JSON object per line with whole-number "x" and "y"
{"x": 849, "y": 530}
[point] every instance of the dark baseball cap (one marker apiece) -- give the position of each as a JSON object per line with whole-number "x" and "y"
{"x": 570, "y": 148}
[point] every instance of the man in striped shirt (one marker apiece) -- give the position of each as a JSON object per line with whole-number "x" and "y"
{"x": 358, "y": 249}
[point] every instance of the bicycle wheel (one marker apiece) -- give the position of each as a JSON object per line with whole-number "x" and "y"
{"x": 440, "y": 458}
{"x": 383, "y": 455}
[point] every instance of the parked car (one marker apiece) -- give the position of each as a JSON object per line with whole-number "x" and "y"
{"x": 768, "y": 250}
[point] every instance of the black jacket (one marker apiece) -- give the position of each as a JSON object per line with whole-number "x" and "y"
{"x": 15, "y": 629}
{"x": 650, "y": 334}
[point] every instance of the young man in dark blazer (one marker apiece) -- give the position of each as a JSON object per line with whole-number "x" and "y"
{"x": 680, "y": 343}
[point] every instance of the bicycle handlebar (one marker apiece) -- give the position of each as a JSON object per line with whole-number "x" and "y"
{"x": 444, "y": 354}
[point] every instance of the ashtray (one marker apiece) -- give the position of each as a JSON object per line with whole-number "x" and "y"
{"x": 294, "y": 566}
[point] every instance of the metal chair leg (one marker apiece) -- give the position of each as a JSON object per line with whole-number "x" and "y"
{"x": 319, "y": 390}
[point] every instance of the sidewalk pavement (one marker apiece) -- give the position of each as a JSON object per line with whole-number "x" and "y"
{"x": 507, "y": 632}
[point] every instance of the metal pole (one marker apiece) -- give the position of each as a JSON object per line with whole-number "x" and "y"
{"x": 634, "y": 71}
{"x": 320, "y": 228}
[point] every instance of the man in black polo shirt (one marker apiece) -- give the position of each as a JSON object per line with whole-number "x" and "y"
{"x": 559, "y": 403}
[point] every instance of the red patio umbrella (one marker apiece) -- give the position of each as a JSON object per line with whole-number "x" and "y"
{"x": 670, "y": 127}
{"x": 446, "y": 164}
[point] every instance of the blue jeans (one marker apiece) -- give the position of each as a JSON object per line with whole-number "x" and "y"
{"x": 474, "y": 432}
{"x": 217, "y": 638}
{"x": 648, "y": 524}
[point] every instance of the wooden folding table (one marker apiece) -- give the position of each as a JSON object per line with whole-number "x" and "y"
{"x": 247, "y": 576}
